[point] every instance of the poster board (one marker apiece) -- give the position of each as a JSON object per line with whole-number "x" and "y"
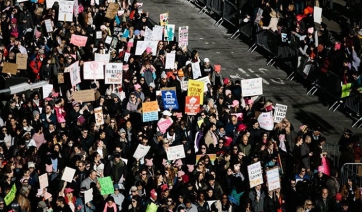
{"x": 43, "y": 181}
{"x": 11, "y": 68}
{"x": 150, "y": 111}
{"x": 102, "y": 57}
{"x": 157, "y": 33}
{"x": 280, "y": 112}
{"x": 196, "y": 88}
{"x": 75, "y": 75}
{"x": 47, "y": 90}
{"x": 22, "y": 61}
{"x": 273, "y": 179}
{"x": 164, "y": 125}
{"x": 266, "y": 121}
{"x": 170, "y": 60}
{"x": 141, "y": 151}
{"x": 169, "y": 99}
{"x": 148, "y": 34}
{"x": 78, "y": 40}
{"x": 48, "y": 25}
{"x": 84, "y": 96}
{"x": 252, "y": 87}
{"x": 183, "y": 36}
{"x": 169, "y": 33}
{"x": 255, "y": 174}
{"x": 206, "y": 81}
{"x": 106, "y": 185}
{"x": 317, "y": 14}
{"x": 113, "y": 73}
{"x": 65, "y": 11}
{"x": 175, "y": 152}
{"x": 196, "y": 70}
{"x": 68, "y": 174}
{"x": 192, "y": 105}
{"x": 164, "y": 19}
{"x": 88, "y": 195}
{"x": 142, "y": 45}
{"x": 98, "y": 115}
{"x": 93, "y": 70}
{"x": 112, "y": 10}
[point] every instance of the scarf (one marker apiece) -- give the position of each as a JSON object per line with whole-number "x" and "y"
{"x": 112, "y": 206}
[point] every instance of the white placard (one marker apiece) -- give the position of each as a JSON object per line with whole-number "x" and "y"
{"x": 183, "y": 36}
{"x": 73, "y": 66}
{"x": 102, "y": 57}
{"x": 65, "y": 11}
{"x": 43, "y": 181}
{"x": 47, "y": 89}
{"x": 206, "y": 80}
{"x": 68, "y": 174}
{"x": 170, "y": 60}
{"x": 317, "y": 15}
{"x": 175, "y": 152}
{"x": 141, "y": 151}
{"x": 142, "y": 45}
{"x": 98, "y": 115}
{"x": 113, "y": 73}
{"x": 273, "y": 179}
{"x": 48, "y": 25}
{"x": 252, "y": 87}
{"x": 124, "y": 160}
{"x": 49, "y": 3}
{"x": 157, "y": 33}
{"x": 98, "y": 34}
{"x": 196, "y": 71}
{"x": 148, "y": 34}
{"x": 88, "y": 195}
{"x": 19, "y": 1}
{"x": 93, "y": 70}
{"x": 74, "y": 75}
{"x": 266, "y": 121}
{"x": 280, "y": 112}
{"x": 108, "y": 40}
{"x": 210, "y": 202}
{"x": 126, "y": 57}
{"x": 255, "y": 174}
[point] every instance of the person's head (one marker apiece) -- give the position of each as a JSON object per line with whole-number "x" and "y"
{"x": 308, "y": 204}
{"x": 224, "y": 199}
{"x": 302, "y": 171}
{"x": 292, "y": 183}
{"x": 324, "y": 193}
{"x": 93, "y": 175}
{"x": 60, "y": 201}
{"x": 307, "y": 139}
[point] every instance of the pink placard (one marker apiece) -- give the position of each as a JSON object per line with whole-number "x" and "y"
{"x": 78, "y": 40}
{"x": 164, "y": 125}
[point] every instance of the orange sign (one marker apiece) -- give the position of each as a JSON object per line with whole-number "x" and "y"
{"x": 192, "y": 104}
{"x": 150, "y": 106}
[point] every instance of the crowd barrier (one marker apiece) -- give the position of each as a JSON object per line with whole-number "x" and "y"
{"x": 285, "y": 52}
{"x": 351, "y": 170}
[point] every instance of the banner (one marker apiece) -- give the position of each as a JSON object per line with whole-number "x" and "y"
{"x": 112, "y": 10}
{"x": 157, "y": 33}
{"x": 75, "y": 74}
{"x": 183, "y": 36}
{"x": 48, "y": 25}
{"x": 93, "y": 70}
{"x": 266, "y": 121}
{"x": 273, "y": 179}
{"x": 164, "y": 19}
{"x": 196, "y": 71}
{"x": 192, "y": 105}
{"x": 164, "y": 125}
{"x": 252, "y": 87}
{"x": 68, "y": 174}
{"x": 196, "y": 88}
{"x": 98, "y": 114}
{"x": 113, "y": 73}
{"x": 150, "y": 111}
{"x": 175, "y": 152}
{"x": 169, "y": 34}
{"x": 141, "y": 151}
{"x": 102, "y": 57}
{"x": 65, "y": 11}
{"x": 84, "y": 96}
{"x": 280, "y": 112}
{"x": 22, "y": 61}
{"x": 170, "y": 60}
{"x": 106, "y": 185}
{"x": 169, "y": 99}
{"x": 142, "y": 45}
{"x": 11, "y": 195}
{"x": 11, "y": 68}
{"x": 78, "y": 40}
{"x": 255, "y": 174}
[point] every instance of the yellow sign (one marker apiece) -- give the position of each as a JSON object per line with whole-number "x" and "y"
{"x": 196, "y": 88}
{"x": 150, "y": 106}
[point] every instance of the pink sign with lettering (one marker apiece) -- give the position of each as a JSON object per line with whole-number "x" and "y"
{"x": 78, "y": 40}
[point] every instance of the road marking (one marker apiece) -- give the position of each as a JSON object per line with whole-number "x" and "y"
{"x": 206, "y": 43}
{"x": 264, "y": 80}
{"x": 242, "y": 70}
{"x": 236, "y": 76}
{"x": 251, "y": 71}
{"x": 280, "y": 81}
{"x": 262, "y": 70}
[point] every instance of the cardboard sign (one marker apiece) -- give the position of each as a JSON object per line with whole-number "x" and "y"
{"x": 317, "y": 14}
{"x": 75, "y": 75}
{"x": 169, "y": 99}
{"x": 98, "y": 34}
{"x": 192, "y": 105}
{"x": 170, "y": 60}
{"x": 164, "y": 125}
{"x": 48, "y": 25}
{"x": 164, "y": 19}
{"x": 141, "y": 151}
{"x": 68, "y": 174}
{"x": 106, "y": 185}
{"x": 60, "y": 78}
{"x": 142, "y": 45}
{"x": 150, "y": 111}
{"x": 273, "y": 179}
{"x": 43, "y": 181}
{"x": 112, "y": 10}
{"x": 266, "y": 121}
{"x": 93, "y": 70}
{"x": 196, "y": 70}
{"x": 175, "y": 152}
{"x": 196, "y": 88}
{"x": 157, "y": 33}
{"x": 280, "y": 112}
{"x": 183, "y": 36}
{"x": 169, "y": 33}
{"x": 84, "y": 95}
{"x": 255, "y": 174}
{"x": 11, "y": 68}
{"x": 88, "y": 195}
{"x": 98, "y": 114}
{"x": 78, "y": 40}
{"x": 113, "y": 73}
{"x": 65, "y": 11}
{"x": 22, "y": 61}
{"x": 252, "y": 87}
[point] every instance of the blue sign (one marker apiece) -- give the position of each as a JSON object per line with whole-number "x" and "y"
{"x": 125, "y": 33}
{"x": 169, "y": 99}
{"x": 150, "y": 116}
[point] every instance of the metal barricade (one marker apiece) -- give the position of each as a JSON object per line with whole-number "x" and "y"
{"x": 333, "y": 153}
{"x": 229, "y": 13}
{"x": 267, "y": 40}
{"x": 351, "y": 170}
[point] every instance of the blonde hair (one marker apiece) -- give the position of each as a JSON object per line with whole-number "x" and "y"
{"x": 300, "y": 209}
{"x": 284, "y": 124}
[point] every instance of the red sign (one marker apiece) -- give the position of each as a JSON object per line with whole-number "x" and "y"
{"x": 192, "y": 105}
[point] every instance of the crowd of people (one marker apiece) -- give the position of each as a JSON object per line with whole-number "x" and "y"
{"x": 44, "y": 134}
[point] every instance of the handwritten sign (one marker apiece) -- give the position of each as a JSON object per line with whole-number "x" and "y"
{"x": 65, "y": 11}
{"x": 164, "y": 19}
{"x": 206, "y": 81}
{"x": 75, "y": 74}
{"x": 11, "y": 195}
{"x": 175, "y": 152}
{"x": 43, "y": 181}
{"x": 102, "y": 57}
{"x": 142, "y": 45}
{"x": 157, "y": 33}
{"x": 280, "y": 112}
{"x": 22, "y": 61}
{"x": 68, "y": 174}
{"x": 148, "y": 34}
{"x": 141, "y": 151}
{"x": 88, "y": 195}
{"x": 169, "y": 99}
{"x": 183, "y": 36}
{"x": 98, "y": 115}
{"x": 84, "y": 95}
{"x": 93, "y": 70}
{"x": 255, "y": 174}
{"x": 47, "y": 90}
{"x": 273, "y": 179}
{"x": 60, "y": 78}
{"x": 106, "y": 185}
{"x": 252, "y": 87}
{"x": 78, "y": 40}
{"x": 48, "y": 25}
{"x": 72, "y": 66}
{"x": 113, "y": 73}
{"x": 112, "y": 10}
{"x": 126, "y": 56}
{"x": 108, "y": 40}
{"x": 196, "y": 71}
{"x": 196, "y": 88}
{"x": 49, "y": 3}
{"x": 192, "y": 105}
{"x": 170, "y": 60}
{"x": 150, "y": 111}
{"x": 164, "y": 125}
{"x": 266, "y": 121}
{"x": 11, "y": 68}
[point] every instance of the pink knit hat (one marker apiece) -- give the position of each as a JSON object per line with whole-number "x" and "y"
{"x": 149, "y": 162}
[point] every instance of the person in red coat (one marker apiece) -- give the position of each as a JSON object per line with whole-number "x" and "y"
{"x": 36, "y": 64}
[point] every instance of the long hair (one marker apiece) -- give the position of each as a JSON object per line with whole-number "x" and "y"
{"x": 284, "y": 124}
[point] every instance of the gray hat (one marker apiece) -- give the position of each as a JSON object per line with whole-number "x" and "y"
{"x": 35, "y": 112}
{"x": 159, "y": 134}
{"x": 113, "y": 95}
{"x": 42, "y": 204}
{"x": 163, "y": 75}
{"x": 41, "y": 51}
{"x": 125, "y": 112}
{"x": 122, "y": 130}
{"x": 152, "y": 85}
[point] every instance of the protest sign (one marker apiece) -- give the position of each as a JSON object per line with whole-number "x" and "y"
{"x": 196, "y": 71}
{"x": 175, "y": 152}
{"x": 152, "y": 207}
{"x": 266, "y": 121}
{"x": 47, "y": 89}
{"x": 346, "y": 90}
{"x": 157, "y": 33}
{"x": 211, "y": 156}
{"x": 183, "y": 36}
{"x": 206, "y": 81}
{"x": 126, "y": 57}
{"x": 98, "y": 114}
{"x": 141, "y": 151}
{"x": 48, "y": 25}
{"x": 184, "y": 85}
{"x": 192, "y": 105}
{"x": 84, "y": 95}
{"x": 106, "y": 185}
{"x": 259, "y": 15}
{"x": 11, "y": 195}
{"x": 98, "y": 34}
{"x": 280, "y": 112}
{"x": 108, "y": 40}
{"x": 78, "y": 40}
{"x": 164, "y": 19}
{"x": 75, "y": 75}
{"x": 113, "y": 73}
{"x": 169, "y": 34}
{"x": 73, "y": 66}
{"x": 60, "y": 78}
{"x": 68, "y": 174}
{"x": 142, "y": 45}
{"x": 22, "y": 61}
{"x": 169, "y": 99}
{"x": 170, "y": 60}
{"x": 317, "y": 14}
{"x": 164, "y": 125}
{"x": 117, "y": 31}
{"x": 102, "y": 57}
{"x": 112, "y": 10}
{"x": 11, "y": 68}
{"x": 65, "y": 11}
{"x": 255, "y": 174}
{"x": 196, "y": 88}
{"x": 273, "y": 179}
{"x": 252, "y": 87}
{"x": 43, "y": 181}
{"x": 150, "y": 111}
{"x": 93, "y": 70}
{"x": 88, "y": 195}
{"x": 148, "y": 34}
{"x": 49, "y": 3}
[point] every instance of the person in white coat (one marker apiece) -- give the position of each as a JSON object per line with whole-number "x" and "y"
{"x": 273, "y": 24}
